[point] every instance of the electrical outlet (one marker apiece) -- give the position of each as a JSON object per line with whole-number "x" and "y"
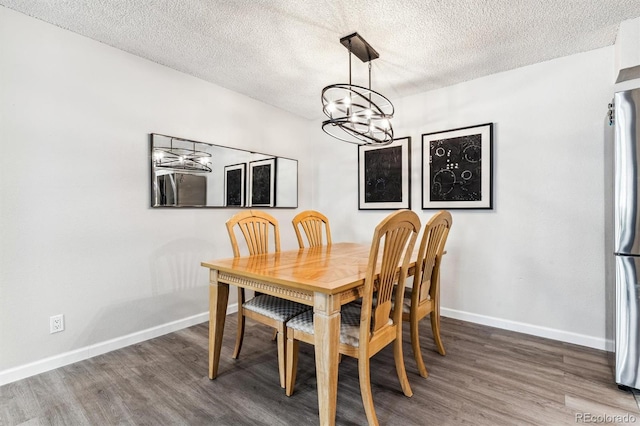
{"x": 56, "y": 323}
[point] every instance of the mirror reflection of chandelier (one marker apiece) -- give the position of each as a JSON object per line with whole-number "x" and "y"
{"x": 181, "y": 158}
{"x": 357, "y": 114}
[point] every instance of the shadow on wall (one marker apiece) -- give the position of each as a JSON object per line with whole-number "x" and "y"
{"x": 118, "y": 321}
{"x": 179, "y": 289}
{"x": 176, "y": 266}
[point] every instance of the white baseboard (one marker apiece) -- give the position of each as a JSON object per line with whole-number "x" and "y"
{"x": 51, "y": 363}
{"x": 535, "y": 330}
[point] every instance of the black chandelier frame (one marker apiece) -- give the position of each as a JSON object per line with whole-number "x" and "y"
{"x": 357, "y": 114}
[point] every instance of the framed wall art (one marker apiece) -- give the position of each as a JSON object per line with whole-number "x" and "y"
{"x": 234, "y": 185}
{"x": 384, "y": 176}
{"x": 262, "y": 183}
{"x": 457, "y": 168}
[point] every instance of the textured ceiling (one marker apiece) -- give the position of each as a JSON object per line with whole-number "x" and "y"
{"x": 283, "y": 52}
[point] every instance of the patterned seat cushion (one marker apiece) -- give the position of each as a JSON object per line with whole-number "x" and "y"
{"x": 406, "y": 304}
{"x": 274, "y": 307}
{"x": 349, "y": 324}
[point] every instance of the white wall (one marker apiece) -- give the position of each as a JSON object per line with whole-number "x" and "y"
{"x": 535, "y": 262}
{"x": 77, "y": 234}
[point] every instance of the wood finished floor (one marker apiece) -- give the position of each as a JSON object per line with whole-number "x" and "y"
{"x": 489, "y": 377}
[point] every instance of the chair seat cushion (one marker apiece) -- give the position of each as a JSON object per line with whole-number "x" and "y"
{"x": 406, "y": 303}
{"x": 349, "y": 324}
{"x": 274, "y": 307}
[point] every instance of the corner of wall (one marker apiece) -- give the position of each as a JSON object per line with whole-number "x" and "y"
{"x": 627, "y": 51}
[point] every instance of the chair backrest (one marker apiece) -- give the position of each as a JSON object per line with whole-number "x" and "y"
{"x": 312, "y": 223}
{"x": 397, "y": 234}
{"x": 254, "y": 225}
{"x": 430, "y": 253}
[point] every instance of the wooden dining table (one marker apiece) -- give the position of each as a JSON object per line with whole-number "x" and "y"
{"x": 325, "y": 278}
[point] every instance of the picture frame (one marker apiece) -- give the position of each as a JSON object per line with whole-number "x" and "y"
{"x": 235, "y": 183}
{"x": 384, "y": 176}
{"x": 262, "y": 183}
{"x": 457, "y": 168}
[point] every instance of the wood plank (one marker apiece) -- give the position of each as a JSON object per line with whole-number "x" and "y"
{"x": 489, "y": 377}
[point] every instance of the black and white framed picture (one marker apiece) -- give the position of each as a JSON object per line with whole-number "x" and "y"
{"x": 384, "y": 176}
{"x": 234, "y": 185}
{"x": 262, "y": 183}
{"x": 457, "y": 168}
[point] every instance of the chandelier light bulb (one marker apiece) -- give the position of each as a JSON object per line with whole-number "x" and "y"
{"x": 179, "y": 156}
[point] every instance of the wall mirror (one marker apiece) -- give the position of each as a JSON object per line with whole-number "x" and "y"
{"x": 186, "y": 173}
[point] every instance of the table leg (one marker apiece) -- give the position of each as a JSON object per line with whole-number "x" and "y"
{"x": 218, "y": 298}
{"x": 326, "y": 319}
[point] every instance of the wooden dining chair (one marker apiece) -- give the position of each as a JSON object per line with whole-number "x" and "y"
{"x": 312, "y": 223}
{"x": 424, "y": 298}
{"x": 256, "y": 226}
{"x": 368, "y": 327}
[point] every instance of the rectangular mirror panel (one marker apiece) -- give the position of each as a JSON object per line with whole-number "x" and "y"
{"x": 187, "y": 173}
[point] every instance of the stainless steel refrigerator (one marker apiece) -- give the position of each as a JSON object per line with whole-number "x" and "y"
{"x": 624, "y": 120}
{"x": 180, "y": 189}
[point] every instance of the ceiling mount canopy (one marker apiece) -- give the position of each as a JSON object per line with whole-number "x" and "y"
{"x": 357, "y": 114}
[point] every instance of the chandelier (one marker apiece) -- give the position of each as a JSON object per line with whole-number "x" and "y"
{"x": 357, "y": 114}
{"x": 182, "y": 158}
